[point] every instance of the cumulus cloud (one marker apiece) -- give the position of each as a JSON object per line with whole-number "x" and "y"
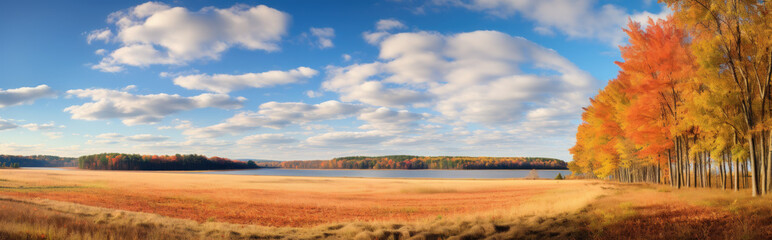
{"x": 382, "y": 27}
{"x": 478, "y": 77}
{"x": 390, "y": 120}
{"x": 16, "y": 96}
{"x": 100, "y": 34}
{"x": 156, "y": 33}
{"x": 225, "y": 83}
{"x": 277, "y": 115}
{"x": 266, "y": 139}
{"x": 574, "y": 18}
{"x": 5, "y": 124}
{"x": 353, "y": 84}
{"x": 323, "y": 37}
{"x": 389, "y": 24}
{"x": 179, "y": 125}
{"x": 142, "y": 109}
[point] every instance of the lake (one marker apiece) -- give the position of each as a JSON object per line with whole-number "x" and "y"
{"x": 392, "y": 173}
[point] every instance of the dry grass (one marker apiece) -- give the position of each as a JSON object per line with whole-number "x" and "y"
{"x": 156, "y": 205}
{"x": 270, "y": 200}
{"x": 660, "y": 212}
{"x": 229, "y": 206}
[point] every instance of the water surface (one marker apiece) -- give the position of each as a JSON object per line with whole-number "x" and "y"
{"x": 488, "y": 174}
{"x": 44, "y": 168}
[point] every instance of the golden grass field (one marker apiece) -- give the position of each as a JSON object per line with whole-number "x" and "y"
{"x": 82, "y": 204}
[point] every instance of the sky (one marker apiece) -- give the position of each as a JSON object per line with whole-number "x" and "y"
{"x": 300, "y": 80}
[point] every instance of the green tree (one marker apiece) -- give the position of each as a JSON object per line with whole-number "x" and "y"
{"x": 559, "y": 177}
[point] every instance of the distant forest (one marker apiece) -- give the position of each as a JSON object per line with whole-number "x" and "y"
{"x": 37, "y": 161}
{"x": 120, "y": 161}
{"x": 420, "y": 162}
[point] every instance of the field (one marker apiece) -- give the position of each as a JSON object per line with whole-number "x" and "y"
{"x": 80, "y": 204}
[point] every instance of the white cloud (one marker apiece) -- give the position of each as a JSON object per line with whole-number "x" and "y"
{"x": 106, "y": 138}
{"x": 129, "y": 88}
{"x": 277, "y": 115}
{"x": 346, "y": 57}
{"x": 389, "y": 24}
{"x": 142, "y": 109}
{"x": 156, "y": 33}
{"x": 313, "y": 94}
{"x": 266, "y": 139}
{"x": 14, "y": 148}
{"x": 103, "y": 34}
{"x": 574, "y": 18}
{"x": 341, "y": 139}
{"x": 643, "y": 17}
{"x": 353, "y": 84}
{"x": 115, "y": 138}
{"x": 390, "y": 120}
{"x": 38, "y": 127}
{"x": 225, "y": 83}
{"x": 100, "y": 51}
{"x": 180, "y": 125}
{"x": 382, "y": 27}
{"x": 16, "y": 96}
{"x": 5, "y": 124}
{"x": 147, "y": 138}
{"x": 323, "y": 36}
{"x": 109, "y": 136}
{"x": 374, "y": 37}
{"x": 53, "y": 135}
{"x": 479, "y": 77}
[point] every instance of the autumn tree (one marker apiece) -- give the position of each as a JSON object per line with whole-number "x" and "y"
{"x": 732, "y": 39}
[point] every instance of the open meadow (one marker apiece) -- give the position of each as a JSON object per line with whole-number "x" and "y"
{"x": 78, "y": 204}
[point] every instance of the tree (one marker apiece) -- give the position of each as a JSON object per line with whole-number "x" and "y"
{"x": 732, "y": 40}
{"x": 559, "y": 177}
{"x": 692, "y": 100}
{"x": 634, "y": 127}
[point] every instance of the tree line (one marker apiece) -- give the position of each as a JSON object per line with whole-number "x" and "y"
{"x": 36, "y": 161}
{"x": 691, "y": 105}
{"x": 121, "y": 161}
{"x": 422, "y": 162}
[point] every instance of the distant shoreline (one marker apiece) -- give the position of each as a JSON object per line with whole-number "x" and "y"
{"x": 381, "y": 169}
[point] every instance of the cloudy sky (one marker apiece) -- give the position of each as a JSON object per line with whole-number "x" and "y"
{"x": 293, "y": 79}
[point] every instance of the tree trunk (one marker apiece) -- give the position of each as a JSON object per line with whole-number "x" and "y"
{"x": 769, "y": 163}
{"x": 737, "y": 175}
{"x": 723, "y": 174}
{"x": 678, "y": 163}
{"x": 755, "y": 191}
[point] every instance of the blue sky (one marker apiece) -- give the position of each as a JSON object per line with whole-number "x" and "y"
{"x": 305, "y": 79}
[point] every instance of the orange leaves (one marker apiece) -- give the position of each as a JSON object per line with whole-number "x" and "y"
{"x": 632, "y": 121}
